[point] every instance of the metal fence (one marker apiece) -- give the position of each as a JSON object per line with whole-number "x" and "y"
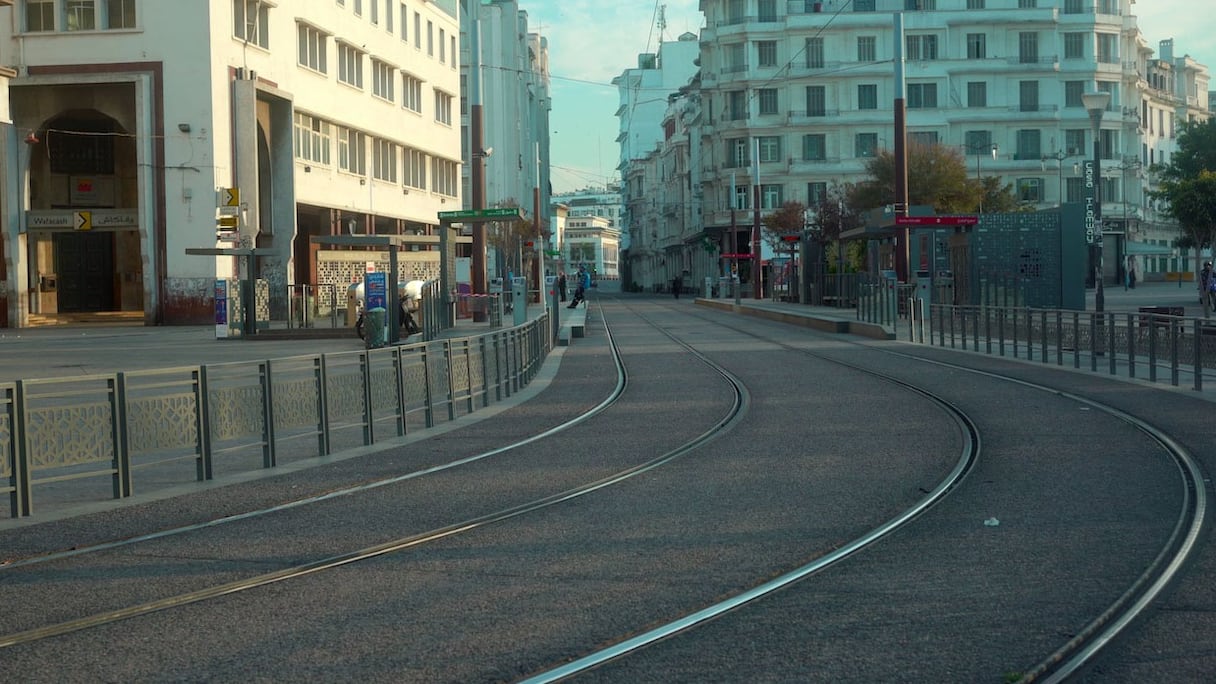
{"x": 1154, "y": 346}
{"x": 65, "y": 439}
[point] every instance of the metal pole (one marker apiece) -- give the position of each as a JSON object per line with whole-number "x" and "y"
{"x": 477, "y": 165}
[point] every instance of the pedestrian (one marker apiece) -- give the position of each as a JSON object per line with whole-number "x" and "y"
{"x": 580, "y": 290}
{"x": 561, "y": 285}
{"x": 676, "y": 284}
{"x": 1207, "y": 283}
{"x": 1131, "y": 272}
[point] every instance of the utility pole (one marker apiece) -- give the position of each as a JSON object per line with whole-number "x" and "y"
{"x": 477, "y": 164}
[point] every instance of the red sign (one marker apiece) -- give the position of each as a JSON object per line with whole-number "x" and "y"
{"x": 936, "y": 220}
{"x": 736, "y": 256}
{"x": 791, "y": 238}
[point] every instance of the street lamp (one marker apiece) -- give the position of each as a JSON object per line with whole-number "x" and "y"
{"x": 1095, "y": 104}
{"x": 1059, "y": 156}
{"x": 977, "y": 149}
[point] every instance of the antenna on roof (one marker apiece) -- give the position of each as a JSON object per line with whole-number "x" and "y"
{"x": 662, "y": 21}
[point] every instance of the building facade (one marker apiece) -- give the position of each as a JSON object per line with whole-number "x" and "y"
{"x": 795, "y": 98}
{"x": 326, "y": 118}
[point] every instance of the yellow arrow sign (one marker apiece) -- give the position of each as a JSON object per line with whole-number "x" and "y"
{"x": 83, "y": 220}
{"x": 227, "y": 221}
{"x": 232, "y": 197}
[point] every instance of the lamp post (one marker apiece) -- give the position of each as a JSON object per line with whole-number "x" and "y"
{"x": 977, "y": 149}
{"x": 1059, "y": 156}
{"x": 1095, "y": 104}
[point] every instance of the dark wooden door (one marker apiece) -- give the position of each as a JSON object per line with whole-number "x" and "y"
{"x": 84, "y": 264}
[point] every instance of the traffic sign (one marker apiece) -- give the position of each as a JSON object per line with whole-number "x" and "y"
{"x": 729, "y": 255}
{"x": 230, "y": 197}
{"x": 552, "y": 252}
{"x": 936, "y": 220}
{"x": 226, "y": 222}
{"x": 83, "y": 220}
{"x": 481, "y": 214}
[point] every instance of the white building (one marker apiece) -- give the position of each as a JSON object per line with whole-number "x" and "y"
{"x": 590, "y": 232}
{"x": 811, "y": 86}
{"x": 328, "y": 117}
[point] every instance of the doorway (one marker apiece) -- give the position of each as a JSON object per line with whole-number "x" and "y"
{"x": 84, "y": 266}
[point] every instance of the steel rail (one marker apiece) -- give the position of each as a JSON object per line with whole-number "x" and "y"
{"x": 737, "y": 411}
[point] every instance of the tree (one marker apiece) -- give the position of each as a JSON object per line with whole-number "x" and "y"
{"x": 937, "y": 177}
{"x": 788, "y": 219}
{"x": 1188, "y": 185}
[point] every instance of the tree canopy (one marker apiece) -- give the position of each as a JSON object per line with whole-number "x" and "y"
{"x": 937, "y": 177}
{"x": 1188, "y": 183}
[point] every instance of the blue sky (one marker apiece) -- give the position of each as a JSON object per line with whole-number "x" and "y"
{"x": 590, "y": 43}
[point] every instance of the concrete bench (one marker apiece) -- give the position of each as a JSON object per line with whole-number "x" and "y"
{"x": 573, "y": 324}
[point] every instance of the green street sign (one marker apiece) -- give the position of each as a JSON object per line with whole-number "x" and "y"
{"x": 481, "y": 214}
{"x": 553, "y": 252}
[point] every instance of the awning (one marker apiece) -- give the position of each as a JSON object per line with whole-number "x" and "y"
{"x": 1146, "y": 249}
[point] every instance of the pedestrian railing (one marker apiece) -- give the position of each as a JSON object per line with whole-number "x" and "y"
{"x": 60, "y": 439}
{"x": 1155, "y": 346}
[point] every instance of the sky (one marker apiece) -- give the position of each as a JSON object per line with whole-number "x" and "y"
{"x": 592, "y": 42}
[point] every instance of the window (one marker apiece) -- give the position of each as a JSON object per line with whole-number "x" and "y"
{"x": 923, "y": 138}
{"x": 1074, "y": 45}
{"x": 1030, "y": 189}
{"x": 312, "y": 45}
{"x": 405, "y": 15}
{"x": 443, "y": 107}
{"x": 417, "y": 31}
{"x": 120, "y": 14}
{"x": 1074, "y": 141}
{"x": 863, "y": 5}
{"x": 1028, "y": 47}
{"x": 736, "y": 57}
{"x": 375, "y": 12}
{"x": 80, "y": 15}
{"x": 766, "y": 10}
{"x": 816, "y": 193}
{"x": 867, "y": 96}
{"x": 737, "y": 103}
{"x": 816, "y": 101}
{"x": 384, "y": 76}
{"x": 1072, "y": 93}
{"x": 1108, "y": 6}
{"x": 977, "y": 94}
{"x": 736, "y": 149}
{"x": 384, "y": 159}
{"x": 975, "y": 4}
{"x": 352, "y": 151}
{"x": 866, "y": 145}
{"x": 977, "y": 45}
{"x": 1029, "y": 145}
{"x": 1108, "y": 48}
{"x": 771, "y": 195}
{"x": 1074, "y": 6}
{"x": 1028, "y": 96}
{"x": 766, "y": 53}
{"x": 414, "y": 169}
{"x": 443, "y": 47}
{"x": 867, "y": 50}
{"x": 743, "y": 197}
{"x": 430, "y": 38}
{"x": 770, "y": 148}
{"x": 411, "y": 93}
{"x": 919, "y": 48}
{"x": 312, "y": 139}
{"x": 251, "y": 22}
{"x": 358, "y": 8}
{"x": 1108, "y": 142}
{"x": 814, "y": 53}
{"x": 1073, "y": 188}
{"x": 388, "y": 15}
{"x": 446, "y": 176}
{"x": 350, "y": 65}
{"x": 1027, "y": 4}
{"x": 978, "y": 143}
{"x": 452, "y": 40}
{"x": 40, "y": 15}
{"x": 768, "y": 101}
{"x": 814, "y": 147}
{"x": 922, "y": 95}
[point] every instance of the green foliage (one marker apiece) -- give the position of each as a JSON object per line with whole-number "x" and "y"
{"x": 1188, "y": 183}
{"x": 937, "y": 177}
{"x": 788, "y": 219}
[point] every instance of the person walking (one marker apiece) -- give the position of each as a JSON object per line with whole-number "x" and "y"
{"x": 580, "y": 290}
{"x": 676, "y": 284}
{"x": 561, "y": 285}
{"x": 1207, "y": 283}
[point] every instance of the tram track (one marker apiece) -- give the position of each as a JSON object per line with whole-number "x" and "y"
{"x": 1072, "y": 656}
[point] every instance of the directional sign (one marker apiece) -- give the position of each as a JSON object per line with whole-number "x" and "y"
{"x": 83, "y": 220}
{"x": 729, "y": 255}
{"x": 552, "y": 252}
{"x": 226, "y": 222}
{"x": 230, "y": 197}
{"x": 481, "y": 214}
{"x": 936, "y": 220}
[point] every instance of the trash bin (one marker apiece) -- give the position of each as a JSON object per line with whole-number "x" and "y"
{"x": 374, "y": 328}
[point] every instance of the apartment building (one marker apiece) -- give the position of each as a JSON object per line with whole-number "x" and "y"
{"x": 590, "y": 232}
{"x": 325, "y": 117}
{"x": 807, "y": 90}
